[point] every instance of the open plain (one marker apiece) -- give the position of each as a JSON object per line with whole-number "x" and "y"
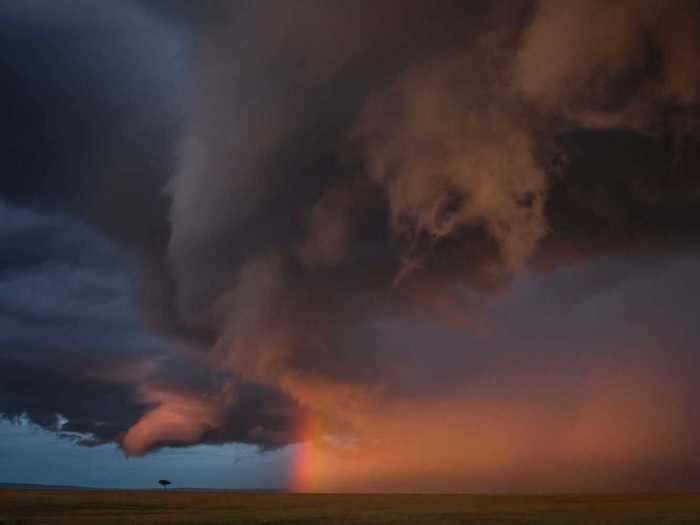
{"x": 184, "y": 507}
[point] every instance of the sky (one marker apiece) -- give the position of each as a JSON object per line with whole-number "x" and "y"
{"x": 371, "y": 246}
{"x": 32, "y": 455}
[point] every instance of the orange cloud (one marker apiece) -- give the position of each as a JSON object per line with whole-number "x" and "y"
{"x": 174, "y": 418}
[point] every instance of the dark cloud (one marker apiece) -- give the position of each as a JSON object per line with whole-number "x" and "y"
{"x": 70, "y": 327}
{"x": 433, "y": 165}
{"x": 85, "y": 118}
{"x": 335, "y": 206}
{"x": 76, "y": 354}
{"x": 99, "y": 412}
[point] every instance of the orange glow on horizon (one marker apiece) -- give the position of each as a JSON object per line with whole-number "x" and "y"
{"x": 625, "y": 414}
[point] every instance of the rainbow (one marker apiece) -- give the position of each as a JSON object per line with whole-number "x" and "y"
{"x": 306, "y": 462}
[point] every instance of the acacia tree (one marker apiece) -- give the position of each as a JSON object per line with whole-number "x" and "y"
{"x": 164, "y": 483}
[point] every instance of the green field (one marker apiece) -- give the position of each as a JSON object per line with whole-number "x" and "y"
{"x": 102, "y": 507}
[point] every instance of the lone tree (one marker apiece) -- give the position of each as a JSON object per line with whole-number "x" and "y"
{"x": 164, "y": 483}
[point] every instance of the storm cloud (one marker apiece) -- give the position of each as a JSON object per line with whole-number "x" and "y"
{"x": 371, "y": 215}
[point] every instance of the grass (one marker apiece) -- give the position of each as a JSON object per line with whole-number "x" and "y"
{"x": 180, "y": 507}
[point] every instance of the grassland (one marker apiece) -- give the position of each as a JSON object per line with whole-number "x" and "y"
{"x": 180, "y": 507}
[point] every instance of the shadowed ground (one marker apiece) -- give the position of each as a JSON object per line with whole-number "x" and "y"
{"x": 102, "y": 507}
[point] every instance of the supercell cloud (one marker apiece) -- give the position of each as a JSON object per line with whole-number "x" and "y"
{"x": 401, "y": 232}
